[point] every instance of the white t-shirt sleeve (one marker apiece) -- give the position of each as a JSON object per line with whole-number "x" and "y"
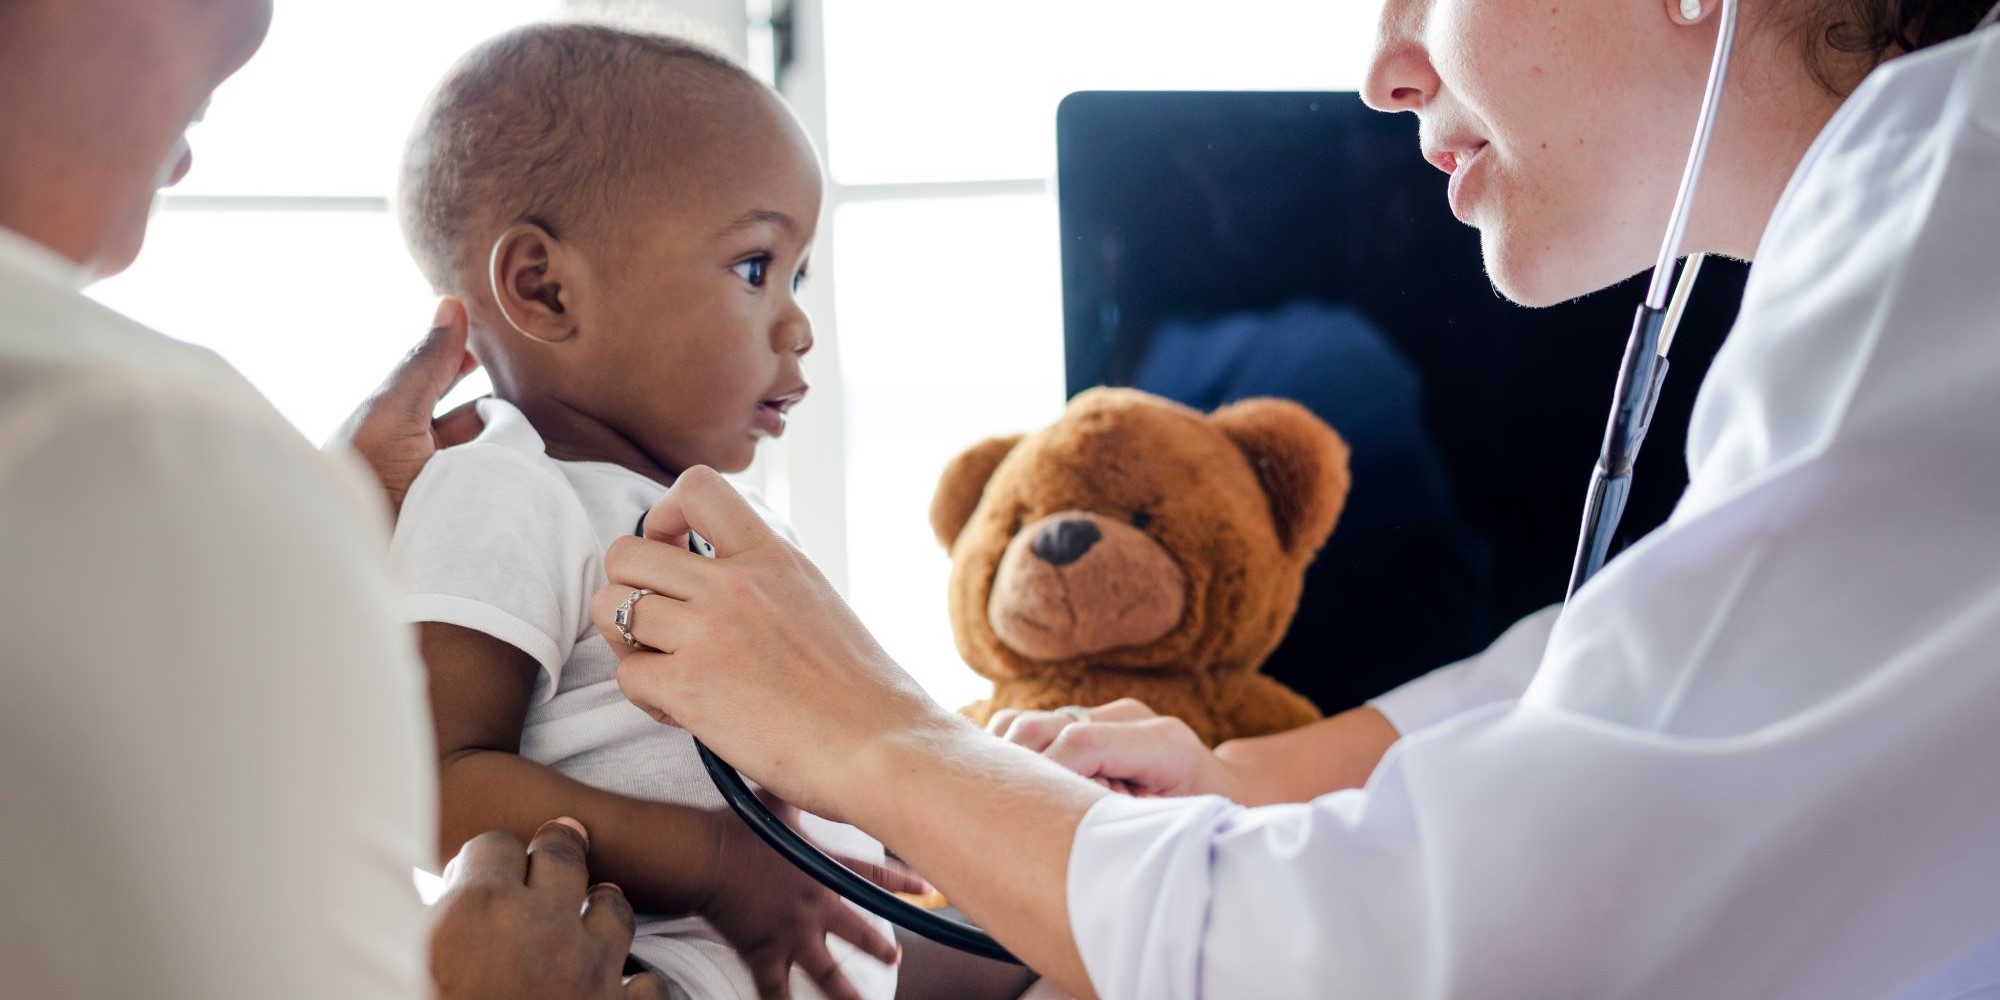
{"x": 218, "y": 771}
{"x": 495, "y": 540}
{"x": 1500, "y": 673}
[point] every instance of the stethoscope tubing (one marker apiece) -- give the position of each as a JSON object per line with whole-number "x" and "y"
{"x": 1643, "y": 370}
{"x": 838, "y": 877}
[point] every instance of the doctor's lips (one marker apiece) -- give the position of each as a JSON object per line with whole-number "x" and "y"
{"x": 1454, "y": 157}
{"x": 770, "y": 420}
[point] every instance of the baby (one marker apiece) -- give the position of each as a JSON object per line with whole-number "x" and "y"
{"x": 627, "y": 217}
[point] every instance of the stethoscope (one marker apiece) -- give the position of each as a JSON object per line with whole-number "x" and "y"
{"x": 1637, "y": 392}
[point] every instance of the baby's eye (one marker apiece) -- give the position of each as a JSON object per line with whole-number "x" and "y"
{"x": 753, "y": 270}
{"x": 799, "y": 279}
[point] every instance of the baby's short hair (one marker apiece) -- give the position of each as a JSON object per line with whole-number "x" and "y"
{"x": 554, "y": 124}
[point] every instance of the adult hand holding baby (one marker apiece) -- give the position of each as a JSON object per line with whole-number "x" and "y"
{"x": 393, "y": 430}
{"x": 503, "y": 902}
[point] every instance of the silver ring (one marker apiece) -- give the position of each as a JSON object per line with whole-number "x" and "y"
{"x": 1076, "y": 713}
{"x": 621, "y": 619}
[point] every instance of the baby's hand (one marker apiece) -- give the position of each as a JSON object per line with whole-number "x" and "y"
{"x": 776, "y": 916}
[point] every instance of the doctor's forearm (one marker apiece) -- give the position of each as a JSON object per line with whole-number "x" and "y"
{"x": 991, "y": 825}
{"x": 1305, "y": 763}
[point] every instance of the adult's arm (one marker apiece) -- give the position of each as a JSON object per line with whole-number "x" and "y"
{"x": 856, "y": 739}
{"x": 219, "y": 771}
{"x": 217, "y": 782}
{"x": 1126, "y": 746}
{"x": 1516, "y": 849}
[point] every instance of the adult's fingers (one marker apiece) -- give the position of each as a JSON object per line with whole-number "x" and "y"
{"x": 492, "y": 858}
{"x": 433, "y": 367}
{"x": 646, "y": 986}
{"x": 607, "y": 916}
{"x": 662, "y": 567}
{"x": 847, "y": 924}
{"x": 459, "y": 426}
{"x": 648, "y": 679}
{"x": 1137, "y": 753}
{"x": 704, "y": 502}
{"x": 1122, "y": 710}
{"x": 557, "y": 859}
{"x": 819, "y": 963}
{"x": 997, "y": 723}
{"x": 1037, "y": 729}
{"x": 650, "y": 619}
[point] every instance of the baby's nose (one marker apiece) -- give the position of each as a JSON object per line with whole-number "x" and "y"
{"x": 1065, "y": 541}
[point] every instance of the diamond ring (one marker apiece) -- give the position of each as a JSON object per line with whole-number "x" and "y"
{"x": 622, "y": 618}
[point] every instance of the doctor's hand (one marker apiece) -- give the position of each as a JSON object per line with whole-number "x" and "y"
{"x": 393, "y": 430}
{"x": 1125, "y": 746}
{"x": 755, "y": 653}
{"x": 518, "y": 924}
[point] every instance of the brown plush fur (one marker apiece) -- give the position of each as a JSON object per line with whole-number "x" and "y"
{"x": 1179, "y": 568}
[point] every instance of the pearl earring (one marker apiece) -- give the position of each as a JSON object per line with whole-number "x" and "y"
{"x": 1691, "y": 9}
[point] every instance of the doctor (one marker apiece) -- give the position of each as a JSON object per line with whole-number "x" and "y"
{"x": 1758, "y": 756}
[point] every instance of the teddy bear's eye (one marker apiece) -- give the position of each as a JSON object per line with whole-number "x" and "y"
{"x": 1142, "y": 520}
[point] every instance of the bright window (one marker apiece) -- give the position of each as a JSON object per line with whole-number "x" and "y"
{"x": 948, "y": 342}
{"x": 919, "y": 90}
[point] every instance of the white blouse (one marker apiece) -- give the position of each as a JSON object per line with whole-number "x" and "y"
{"x": 1759, "y": 755}
{"x": 217, "y": 763}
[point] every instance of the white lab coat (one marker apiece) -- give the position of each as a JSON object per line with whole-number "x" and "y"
{"x": 216, "y": 769}
{"x": 1759, "y": 756}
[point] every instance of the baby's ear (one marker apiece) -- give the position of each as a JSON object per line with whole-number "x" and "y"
{"x": 531, "y": 287}
{"x": 963, "y": 483}
{"x": 1301, "y": 463}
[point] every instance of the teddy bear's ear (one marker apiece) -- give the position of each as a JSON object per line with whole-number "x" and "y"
{"x": 963, "y": 483}
{"x": 1300, "y": 461}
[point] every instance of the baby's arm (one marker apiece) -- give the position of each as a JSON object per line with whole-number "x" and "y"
{"x": 664, "y": 856}
{"x": 932, "y": 971}
{"x": 669, "y": 859}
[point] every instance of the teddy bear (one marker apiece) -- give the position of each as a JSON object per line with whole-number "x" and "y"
{"x": 1138, "y": 548}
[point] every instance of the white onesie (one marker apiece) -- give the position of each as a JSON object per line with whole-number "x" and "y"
{"x": 498, "y": 537}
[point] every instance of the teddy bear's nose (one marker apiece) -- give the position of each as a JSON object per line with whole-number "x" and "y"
{"x": 1065, "y": 541}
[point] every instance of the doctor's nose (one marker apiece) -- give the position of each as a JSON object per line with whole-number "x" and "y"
{"x": 1400, "y": 74}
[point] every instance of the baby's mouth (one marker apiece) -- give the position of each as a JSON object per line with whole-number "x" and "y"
{"x": 770, "y": 420}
